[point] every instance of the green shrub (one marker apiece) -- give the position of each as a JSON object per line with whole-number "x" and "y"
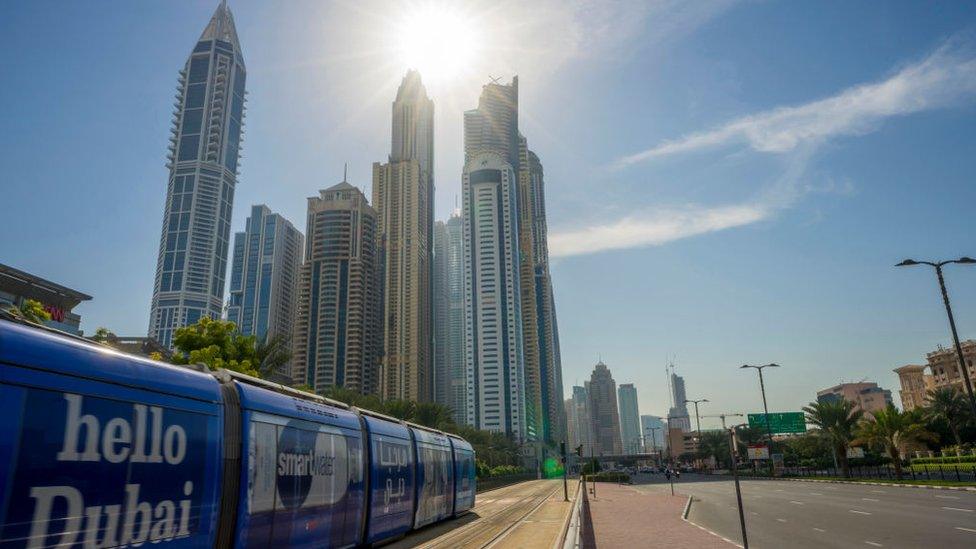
{"x": 608, "y": 477}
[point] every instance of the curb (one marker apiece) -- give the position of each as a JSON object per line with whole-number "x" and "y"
{"x": 570, "y": 536}
{"x": 926, "y": 486}
{"x": 684, "y": 515}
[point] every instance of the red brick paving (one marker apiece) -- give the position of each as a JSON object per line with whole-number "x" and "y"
{"x": 622, "y": 516}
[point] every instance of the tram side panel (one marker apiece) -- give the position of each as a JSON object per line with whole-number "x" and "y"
{"x": 91, "y": 454}
{"x": 302, "y": 479}
{"x": 435, "y": 477}
{"x": 464, "y": 475}
{"x": 392, "y": 479}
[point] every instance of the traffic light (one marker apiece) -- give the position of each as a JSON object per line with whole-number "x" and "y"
{"x": 562, "y": 448}
{"x": 579, "y": 450}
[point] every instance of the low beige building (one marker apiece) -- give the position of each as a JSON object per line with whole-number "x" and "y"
{"x": 915, "y": 384}
{"x": 944, "y": 365}
{"x": 943, "y": 371}
{"x": 681, "y": 443}
{"x": 866, "y": 395}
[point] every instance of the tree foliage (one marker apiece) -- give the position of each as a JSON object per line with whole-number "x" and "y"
{"x": 30, "y": 310}
{"x": 217, "y": 344}
{"x": 946, "y": 404}
{"x": 893, "y": 430}
{"x": 837, "y": 422}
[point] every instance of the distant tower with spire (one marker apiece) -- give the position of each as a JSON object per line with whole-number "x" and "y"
{"x": 203, "y": 166}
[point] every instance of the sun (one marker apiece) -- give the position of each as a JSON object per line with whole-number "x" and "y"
{"x": 438, "y": 41}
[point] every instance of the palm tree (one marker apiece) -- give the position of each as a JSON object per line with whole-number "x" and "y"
{"x": 715, "y": 444}
{"x": 272, "y": 353}
{"x": 893, "y": 430}
{"x": 434, "y": 415}
{"x": 837, "y": 422}
{"x": 948, "y": 404}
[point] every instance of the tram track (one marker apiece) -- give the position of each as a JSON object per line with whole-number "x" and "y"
{"x": 497, "y": 518}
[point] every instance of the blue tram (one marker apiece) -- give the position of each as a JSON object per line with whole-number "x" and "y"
{"x": 104, "y": 449}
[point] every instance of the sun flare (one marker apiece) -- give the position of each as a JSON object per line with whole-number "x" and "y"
{"x": 438, "y": 41}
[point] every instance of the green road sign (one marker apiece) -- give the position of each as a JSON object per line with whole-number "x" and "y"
{"x": 779, "y": 422}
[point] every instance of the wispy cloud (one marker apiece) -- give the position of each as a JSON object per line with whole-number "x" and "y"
{"x": 666, "y": 224}
{"x": 944, "y": 78}
{"x": 654, "y": 228}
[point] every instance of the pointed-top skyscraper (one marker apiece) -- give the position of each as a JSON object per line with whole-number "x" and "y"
{"x": 203, "y": 161}
{"x": 403, "y": 195}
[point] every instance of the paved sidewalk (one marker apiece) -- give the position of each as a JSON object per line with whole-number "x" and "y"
{"x": 622, "y": 516}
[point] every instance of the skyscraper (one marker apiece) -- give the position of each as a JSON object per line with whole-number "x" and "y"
{"x": 630, "y": 430}
{"x": 493, "y": 128}
{"x": 532, "y": 193}
{"x": 264, "y": 275}
{"x": 534, "y": 382}
{"x": 439, "y": 297}
{"x": 579, "y": 428}
{"x": 493, "y": 322}
{"x": 403, "y": 194}
{"x": 604, "y": 419}
{"x": 203, "y": 163}
{"x": 337, "y": 330}
{"x": 449, "y": 375}
{"x": 678, "y": 414}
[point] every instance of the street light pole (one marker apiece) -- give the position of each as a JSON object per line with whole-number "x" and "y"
{"x": 963, "y": 371}
{"x": 697, "y": 418}
{"x": 762, "y": 389}
{"x": 738, "y": 490}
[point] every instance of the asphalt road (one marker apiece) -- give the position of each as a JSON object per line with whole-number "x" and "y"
{"x": 817, "y": 515}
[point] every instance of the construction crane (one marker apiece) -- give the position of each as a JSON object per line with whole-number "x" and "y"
{"x": 723, "y": 416}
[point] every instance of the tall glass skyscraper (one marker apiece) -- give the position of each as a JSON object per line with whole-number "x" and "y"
{"x": 264, "y": 275}
{"x": 203, "y": 162}
{"x": 630, "y": 430}
{"x": 449, "y": 376}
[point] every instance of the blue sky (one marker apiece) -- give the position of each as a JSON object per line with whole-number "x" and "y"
{"x": 727, "y": 182}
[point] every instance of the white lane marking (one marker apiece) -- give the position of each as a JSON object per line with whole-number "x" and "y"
{"x": 958, "y": 509}
{"x": 779, "y": 490}
{"x": 754, "y": 513}
{"x": 965, "y": 529}
{"x": 815, "y": 494}
{"x": 947, "y": 497}
{"x": 796, "y": 502}
{"x": 859, "y": 512}
{"x": 874, "y": 543}
{"x": 821, "y": 530}
{"x": 870, "y": 499}
{"x": 832, "y": 488}
{"x": 878, "y": 492}
{"x": 781, "y": 519}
